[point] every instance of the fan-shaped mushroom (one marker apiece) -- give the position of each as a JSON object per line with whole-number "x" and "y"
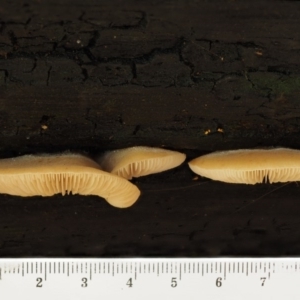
{"x": 140, "y": 161}
{"x": 47, "y": 175}
{"x": 250, "y": 166}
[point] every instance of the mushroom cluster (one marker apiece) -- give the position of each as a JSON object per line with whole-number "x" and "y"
{"x": 249, "y": 166}
{"x": 47, "y": 175}
{"x": 108, "y": 176}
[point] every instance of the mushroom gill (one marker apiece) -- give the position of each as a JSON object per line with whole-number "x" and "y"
{"x": 249, "y": 166}
{"x": 46, "y": 175}
{"x": 140, "y": 161}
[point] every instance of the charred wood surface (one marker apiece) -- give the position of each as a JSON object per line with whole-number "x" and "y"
{"x": 193, "y": 76}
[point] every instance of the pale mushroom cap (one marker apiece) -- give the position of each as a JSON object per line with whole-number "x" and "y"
{"x": 140, "y": 161}
{"x": 250, "y": 166}
{"x": 47, "y": 175}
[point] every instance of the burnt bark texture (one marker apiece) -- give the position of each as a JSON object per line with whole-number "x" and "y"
{"x": 193, "y": 76}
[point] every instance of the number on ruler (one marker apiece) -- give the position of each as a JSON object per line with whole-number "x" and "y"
{"x": 174, "y": 282}
{"x": 129, "y": 282}
{"x": 263, "y": 279}
{"x": 84, "y": 282}
{"x": 39, "y": 282}
{"x": 219, "y": 282}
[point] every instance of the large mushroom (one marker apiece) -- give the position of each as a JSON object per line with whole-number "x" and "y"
{"x": 46, "y": 175}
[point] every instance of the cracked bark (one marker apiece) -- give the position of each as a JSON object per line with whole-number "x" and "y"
{"x": 192, "y": 76}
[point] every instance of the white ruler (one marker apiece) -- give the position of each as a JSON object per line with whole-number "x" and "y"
{"x": 226, "y": 278}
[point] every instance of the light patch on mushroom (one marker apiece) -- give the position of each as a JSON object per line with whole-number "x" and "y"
{"x": 140, "y": 161}
{"x": 47, "y": 175}
{"x": 249, "y": 166}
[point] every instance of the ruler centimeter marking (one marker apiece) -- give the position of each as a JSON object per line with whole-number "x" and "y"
{"x": 141, "y": 267}
{"x": 209, "y": 276}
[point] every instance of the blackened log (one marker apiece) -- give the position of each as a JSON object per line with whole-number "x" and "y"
{"x": 194, "y": 76}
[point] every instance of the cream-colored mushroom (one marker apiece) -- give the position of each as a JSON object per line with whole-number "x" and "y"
{"x": 140, "y": 161}
{"x": 46, "y": 175}
{"x": 250, "y": 166}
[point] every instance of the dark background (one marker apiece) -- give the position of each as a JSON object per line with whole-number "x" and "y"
{"x": 193, "y": 76}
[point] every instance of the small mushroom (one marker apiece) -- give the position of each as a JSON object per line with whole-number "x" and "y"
{"x": 250, "y": 166}
{"x": 140, "y": 161}
{"x": 46, "y": 175}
